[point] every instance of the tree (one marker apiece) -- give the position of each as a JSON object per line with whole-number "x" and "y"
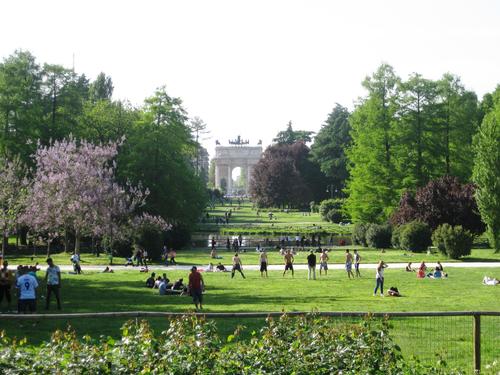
{"x": 101, "y": 89}
{"x": 285, "y": 175}
{"x": 74, "y": 190}
{"x": 486, "y": 172}
{"x": 158, "y": 153}
{"x": 444, "y": 200}
{"x": 198, "y": 128}
{"x": 416, "y": 138}
{"x": 14, "y": 185}
{"x": 64, "y": 95}
{"x": 457, "y": 122}
{"x": 290, "y": 136}
{"x": 329, "y": 147}
{"x": 373, "y": 186}
{"x": 21, "y": 110}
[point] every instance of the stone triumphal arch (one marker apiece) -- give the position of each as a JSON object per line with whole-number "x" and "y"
{"x": 238, "y": 154}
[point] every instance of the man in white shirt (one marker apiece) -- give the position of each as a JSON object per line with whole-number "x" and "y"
{"x": 27, "y": 284}
{"x": 53, "y": 280}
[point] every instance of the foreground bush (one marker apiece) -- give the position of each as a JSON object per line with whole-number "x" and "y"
{"x": 415, "y": 236}
{"x": 455, "y": 242}
{"x": 301, "y": 345}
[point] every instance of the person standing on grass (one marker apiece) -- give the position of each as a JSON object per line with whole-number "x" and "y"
{"x": 323, "y": 262}
{"x": 5, "y": 284}
{"x": 196, "y": 286}
{"x": 263, "y": 263}
{"x": 348, "y": 264}
{"x": 357, "y": 260}
{"x": 288, "y": 257}
{"x": 26, "y": 284}
{"x": 237, "y": 266}
{"x": 311, "y": 265}
{"x": 53, "y": 280}
{"x": 379, "y": 277}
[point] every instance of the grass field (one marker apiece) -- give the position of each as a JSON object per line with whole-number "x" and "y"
{"x": 125, "y": 291}
{"x": 337, "y": 255}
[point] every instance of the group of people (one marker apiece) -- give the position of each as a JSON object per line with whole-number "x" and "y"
{"x": 25, "y": 282}
{"x": 436, "y": 273}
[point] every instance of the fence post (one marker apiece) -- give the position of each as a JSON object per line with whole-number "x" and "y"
{"x": 477, "y": 342}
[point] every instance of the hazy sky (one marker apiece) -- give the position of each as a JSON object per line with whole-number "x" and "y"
{"x": 248, "y": 67}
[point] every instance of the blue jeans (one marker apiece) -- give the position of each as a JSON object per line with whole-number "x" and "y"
{"x": 380, "y": 283}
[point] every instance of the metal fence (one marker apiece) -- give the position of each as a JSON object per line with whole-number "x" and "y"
{"x": 466, "y": 340}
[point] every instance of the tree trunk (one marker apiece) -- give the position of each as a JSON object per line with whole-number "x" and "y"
{"x": 77, "y": 242}
{"x": 66, "y": 240}
{"x": 48, "y": 248}
{"x": 23, "y": 235}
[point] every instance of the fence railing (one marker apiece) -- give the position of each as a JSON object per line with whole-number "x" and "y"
{"x": 460, "y": 337}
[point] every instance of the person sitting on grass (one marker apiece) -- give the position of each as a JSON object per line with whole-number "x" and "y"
{"x": 180, "y": 287}
{"x": 408, "y": 268}
{"x": 421, "y": 270}
{"x": 150, "y": 282}
{"x": 221, "y": 268}
{"x": 157, "y": 282}
{"x": 108, "y": 270}
{"x": 393, "y": 292}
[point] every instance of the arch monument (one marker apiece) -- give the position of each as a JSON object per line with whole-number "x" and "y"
{"x": 238, "y": 154}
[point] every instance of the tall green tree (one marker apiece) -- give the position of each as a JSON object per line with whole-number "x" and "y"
{"x": 158, "y": 153}
{"x": 417, "y": 135}
{"x": 65, "y": 92}
{"x": 102, "y": 88}
{"x": 21, "y": 109}
{"x": 487, "y": 171}
{"x": 329, "y": 147}
{"x": 290, "y": 136}
{"x": 458, "y": 114}
{"x": 373, "y": 187}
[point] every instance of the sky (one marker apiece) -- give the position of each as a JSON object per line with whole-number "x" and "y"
{"x": 248, "y": 67}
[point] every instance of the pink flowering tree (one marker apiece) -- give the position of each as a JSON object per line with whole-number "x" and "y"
{"x": 13, "y": 192}
{"x": 74, "y": 189}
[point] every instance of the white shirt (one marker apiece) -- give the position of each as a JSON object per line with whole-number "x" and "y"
{"x": 380, "y": 273}
{"x": 52, "y": 275}
{"x": 27, "y": 285}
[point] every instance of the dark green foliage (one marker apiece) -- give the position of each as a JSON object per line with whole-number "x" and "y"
{"x": 290, "y": 136}
{"x": 379, "y": 236}
{"x": 330, "y": 145}
{"x": 396, "y": 236}
{"x": 191, "y": 345}
{"x": 415, "y": 236}
{"x": 334, "y": 216}
{"x": 328, "y": 205}
{"x": 486, "y": 170}
{"x": 455, "y": 242}
{"x": 359, "y": 234}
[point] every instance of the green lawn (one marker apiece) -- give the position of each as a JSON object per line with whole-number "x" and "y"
{"x": 337, "y": 255}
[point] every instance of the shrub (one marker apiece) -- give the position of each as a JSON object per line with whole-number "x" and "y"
{"x": 327, "y": 205}
{"x": 294, "y": 345}
{"x": 415, "y": 236}
{"x": 396, "y": 236}
{"x": 334, "y": 216}
{"x": 455, "y": 242}
{"x": 359, "y": 234}
{"x": 379, "y": 236}
{"x": 444, "y": 200}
